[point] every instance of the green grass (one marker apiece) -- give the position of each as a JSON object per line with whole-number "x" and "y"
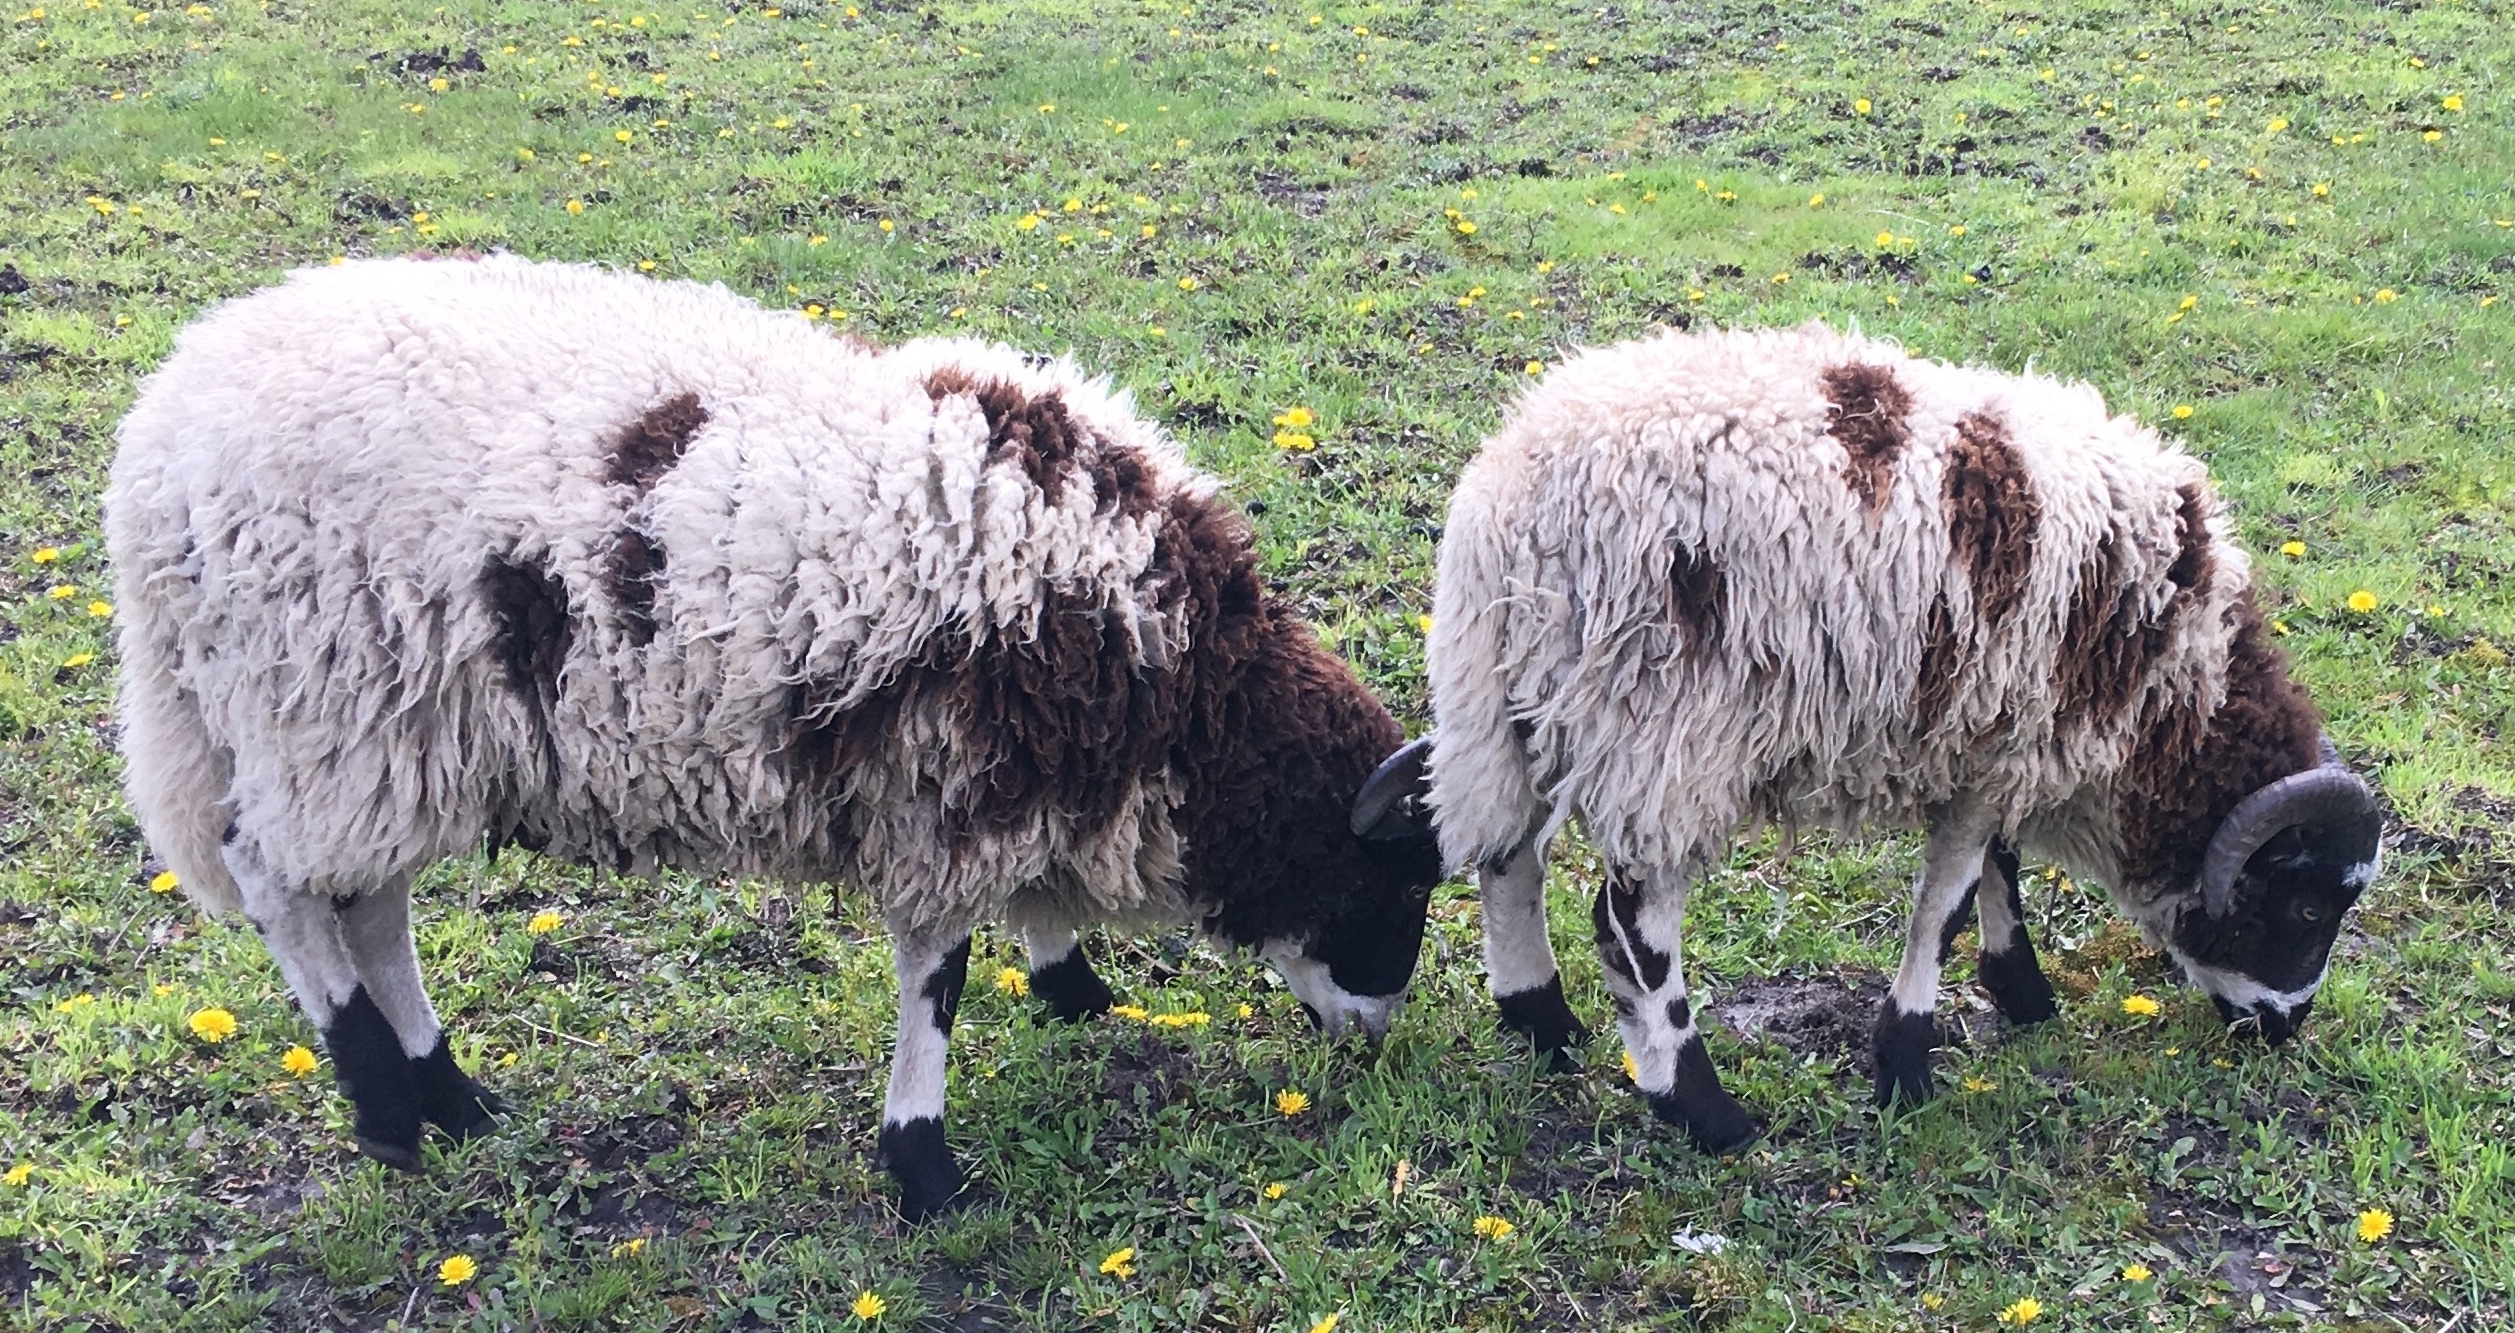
{"x": 700, "y": 1064}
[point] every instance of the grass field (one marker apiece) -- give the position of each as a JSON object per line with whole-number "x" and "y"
{"x": 2286, "y": 232}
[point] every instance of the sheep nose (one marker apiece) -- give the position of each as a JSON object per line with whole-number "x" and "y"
{"x": 2279, "y": 1025}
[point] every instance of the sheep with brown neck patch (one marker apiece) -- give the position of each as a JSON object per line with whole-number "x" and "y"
{"x": 1704, "y": 580}
{"x": 416, "y": 557}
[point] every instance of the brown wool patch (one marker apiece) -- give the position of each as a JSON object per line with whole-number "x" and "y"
{"x": 2194, "y": 558}
{"x": 2188, "y": 772}
{"x": 1941, "y": 659}
{"x": 645, "y": 449}
{"x": 2106, "y": 647}
{"x": 530, "y": 605}
{"x": 1993, "y": 514}
{"x": 1698, "y": 595}
{"x": 630, "y": 573}
{"x": 1045, "y": 441}
{"x": 1865, "y": 414}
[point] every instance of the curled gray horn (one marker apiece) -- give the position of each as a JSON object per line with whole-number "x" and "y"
{"x": 2326, "y": 794}
{"x": 1392, "y": 792}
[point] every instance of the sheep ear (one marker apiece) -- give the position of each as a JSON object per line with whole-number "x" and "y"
{"x": 1390, "y": 804}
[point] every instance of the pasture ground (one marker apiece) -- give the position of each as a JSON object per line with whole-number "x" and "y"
{"x": 2293, "y": 220}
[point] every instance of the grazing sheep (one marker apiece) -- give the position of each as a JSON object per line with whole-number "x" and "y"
{"x": 1797, "y": 575}
{"x": 417, "y": 556}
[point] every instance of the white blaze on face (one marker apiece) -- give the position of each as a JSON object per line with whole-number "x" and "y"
{"x": 2245, "y": 994}
{"x": 1338, "y": 1008}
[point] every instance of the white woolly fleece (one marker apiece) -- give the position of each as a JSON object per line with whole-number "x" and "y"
{"x": 1562, "y": 678}
{"x": 308, "y": 491}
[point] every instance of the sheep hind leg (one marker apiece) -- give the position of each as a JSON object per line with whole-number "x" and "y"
{"x": 302, "y": 929}
{"x": 1061, "y": 974}
{"x": 2007, "y": 966}
{"x": 376, "y": 927}
{"x": 930, "y": 979}
{"x": 1519, "y": 958}
{"x": 1907, "y": 1032}
{"x": 1640, "y": 945}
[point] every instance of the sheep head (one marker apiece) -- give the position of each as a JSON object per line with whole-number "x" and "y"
{"x": 2282, "y": 870}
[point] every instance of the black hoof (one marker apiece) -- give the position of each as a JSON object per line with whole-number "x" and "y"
{"x": 1071, "y": 990}
{"x": 450, "y": 1099}
{"x": 399, "y": 1156}
{"x": 1717, "y": 1124}
{"x": 1541, "y": 1015}
{"x": 929, "y": 1181}
{"x": 1902, "y": 1047}
{"x": 2018, "y": 987}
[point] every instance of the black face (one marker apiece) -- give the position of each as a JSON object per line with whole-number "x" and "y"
{"x": 1371, "y": 946}
{"x": 2288, "y": 908}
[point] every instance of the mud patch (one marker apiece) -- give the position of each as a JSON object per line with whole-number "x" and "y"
{"x": 1822, "y": 1016}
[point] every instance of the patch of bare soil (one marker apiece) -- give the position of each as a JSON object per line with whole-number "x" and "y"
{"x": 1828, "y": 1015}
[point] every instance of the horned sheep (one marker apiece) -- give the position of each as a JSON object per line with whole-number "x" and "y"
{"x": 1801, "y": 576}
{"x": 414, "y": 557}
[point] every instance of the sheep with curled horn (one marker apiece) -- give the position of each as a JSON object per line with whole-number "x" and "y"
{"x": 1795, "y": 575}
{"x": 417, "y": 556}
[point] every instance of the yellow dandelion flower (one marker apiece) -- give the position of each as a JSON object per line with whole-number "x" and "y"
{"x": 2386, "y": 296}
{"x": 212, "y": 1025}
{"x": 1493, "y": 1228}
{"x": 630, "y": 1248}
{"x": 1243, "y": 1011}
{"x": 2140, "y": 1006}
{"x": 164, "y": 881}
{"x": 45, "y": 555}
{"x": 1295, "y": 441}
{"x": 1466, "y": 228}
{"x": 2430, "y": 135}
{"x": 1327, "y": 1323}
{"x": 1860, "y": 106}
{"x": 1292, "y": 1102}
{"x": 1149, "y": 231}
{"x": 1780, "y": 278}
{"x": 1188, "y": 284}
{"x": 61, "y": 592}
{"x": 1193, "y": 1018}
{"x": 1296, "y": 418}
{"x": 2136, "y": 1272}
{"x": 1816, "y": 201}
{"x": 75, "y": 1002}
{"x": 1423, "y": 624}
{"x": 2183, "y": 411}
{"x": 2453, "y": 102}
{"x": 868, "y": 1306}
{"x": 1535, "y": 367}
{"x": 2322, "y": 189}
{"x": 544, "y": 922}
{"x": 2292, "y": 550}
{"x": 1120, "y": 1263}
{"x": 76, "y": 660}
{"x": 100, "y": 610}
{"x": 1885, "y": 238}
{"x": 1026, "y": 222}
{"x": 886, "y": 225}
{"x": 1974, "y": 1084}
{"x": 1134, "y": 1011}
{"x": 457, "y": 1270}
{"x": 2021, "y": 1312}
{"x": 576, "y": 207}
{"x": 1632, "y": 1068}
{"x": 1275, "y": 1190}
{"x": 18, "y": 1175}
{"x": 1931, "y": 1300}
{"x": 299, "y": 1062}
{"x": 2374, "y": 1224}
{"x": 1012, "y": 981}
{"x": 2363, "y": 601}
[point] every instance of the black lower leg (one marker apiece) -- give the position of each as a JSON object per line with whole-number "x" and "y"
{"x": 1070, "y": 988}
{"x": 1902, "y": 1046}
{"x": 2007, "y": 967}
{"x": 916, "y": 1157}
{"x": 378, "y": 1078}
{"x": 449, "y": 1098}
{"x": 1714, "y": 1120}
{"x": 1541, "y": 1015}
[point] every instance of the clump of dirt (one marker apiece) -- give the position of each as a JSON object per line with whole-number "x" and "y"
{"x": 1824, "y": 1015}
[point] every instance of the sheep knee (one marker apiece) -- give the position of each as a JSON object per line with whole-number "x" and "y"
{"x": 1638, "y": 920}
{"x": 1061, "y": 976}
{"x": 1519, "y": 958}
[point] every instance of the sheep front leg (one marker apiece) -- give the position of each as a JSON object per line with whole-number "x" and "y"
{"x": 376, "y": 927}
{"x": 2007, "y": 966}
{"x": 1951, "y": 865}
{"x": 930, "y": 980}
{"x": 1640, "y": 944}
{"x": 1062, "y": 976}
{"x": 1519, "y": 958}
